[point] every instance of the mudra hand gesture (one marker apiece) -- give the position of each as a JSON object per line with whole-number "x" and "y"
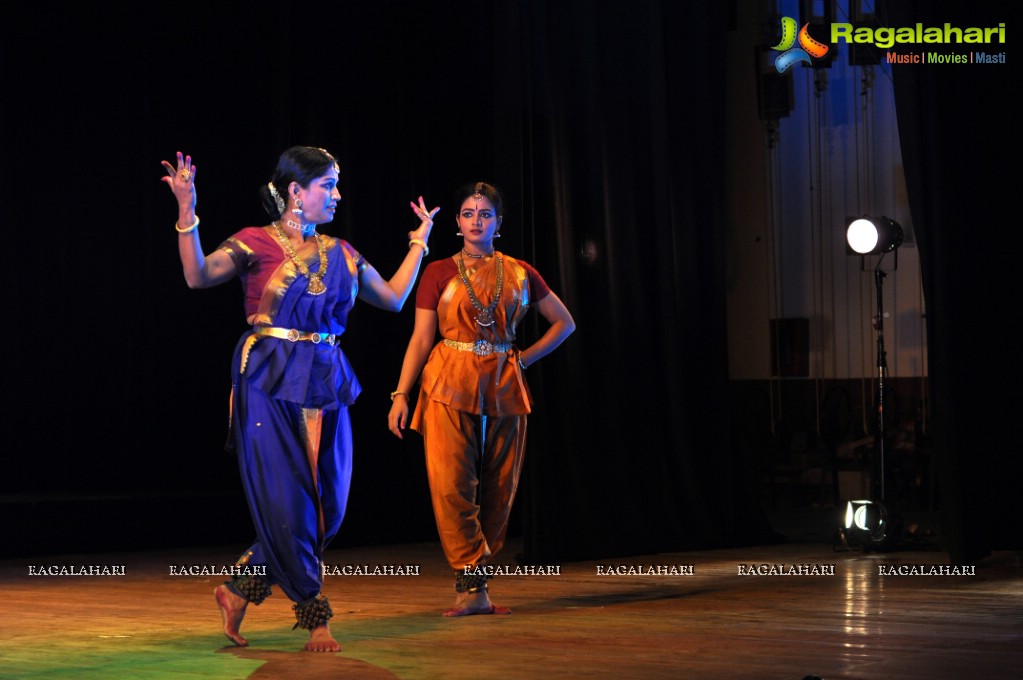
{"x": 181, "y": 180}
{"x": 425, "y": 224}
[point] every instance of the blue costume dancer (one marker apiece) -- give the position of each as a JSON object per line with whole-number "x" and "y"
{"x": 290, "y": 422}
{"x": 292, "y": 382}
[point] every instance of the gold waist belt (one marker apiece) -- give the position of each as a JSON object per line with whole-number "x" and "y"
{"x": 480, "y": 348}
{"x": 296, "y": 335}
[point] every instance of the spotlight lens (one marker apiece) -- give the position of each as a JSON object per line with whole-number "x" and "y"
{"x": 862, "y": 236}
{"x": 862, "y": 518}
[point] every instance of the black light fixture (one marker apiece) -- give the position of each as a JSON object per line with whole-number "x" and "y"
{"x": 873, "y": 235}
{"x": 866, "y": 526}
{"x": 869, "y": 524}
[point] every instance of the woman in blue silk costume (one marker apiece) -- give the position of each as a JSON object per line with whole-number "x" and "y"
{"x": 292, "y": 382}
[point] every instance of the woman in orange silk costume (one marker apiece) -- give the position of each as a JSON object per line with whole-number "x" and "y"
{"x": 292, "y": 382}
{"x": 473, "y": 398}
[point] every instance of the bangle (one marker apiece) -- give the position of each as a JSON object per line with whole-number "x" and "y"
{"x": 422, "y": 244}
{"x": 521, "y": 365}
{"x": 187, "y": 229}
{"x": 398, "y": 393}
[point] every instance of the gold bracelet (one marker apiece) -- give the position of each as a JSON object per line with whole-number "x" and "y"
{"x": 397, "y": 393}
{"x": 189, "y": 229}
{"x": 422, "y": 243}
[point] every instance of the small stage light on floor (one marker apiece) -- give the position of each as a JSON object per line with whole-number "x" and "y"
{"x": 866, "y": 524}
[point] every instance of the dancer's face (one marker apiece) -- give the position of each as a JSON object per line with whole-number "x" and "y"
{"x": 478, "y": 222}
{"x": 319, "y": 198}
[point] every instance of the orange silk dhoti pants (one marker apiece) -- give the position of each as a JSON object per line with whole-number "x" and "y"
{"x": 473, "y": 463}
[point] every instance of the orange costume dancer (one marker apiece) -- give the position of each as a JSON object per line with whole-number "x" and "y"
{"x": 473, "y": 398}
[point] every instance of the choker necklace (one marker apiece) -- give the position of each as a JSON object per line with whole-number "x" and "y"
{"x": 305, "y": 229}
{"x": 316, "y": 285}
{"x": 475, "y": 256}
{"x": 484, "y": 315}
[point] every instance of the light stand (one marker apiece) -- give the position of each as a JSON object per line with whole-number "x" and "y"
{"x": 870, "y": 524}
{"x": 882, "y": 370}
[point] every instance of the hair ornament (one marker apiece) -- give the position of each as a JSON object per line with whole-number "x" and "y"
{"x": 278, "y": 201}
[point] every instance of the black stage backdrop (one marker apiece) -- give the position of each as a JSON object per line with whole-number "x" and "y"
{"x": 956, "y": 124}
{"x": 603, "y": 123}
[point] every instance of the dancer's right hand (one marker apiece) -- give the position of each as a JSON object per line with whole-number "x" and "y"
{"x": 181, "y": 180}
{"x": 397, "y": 418}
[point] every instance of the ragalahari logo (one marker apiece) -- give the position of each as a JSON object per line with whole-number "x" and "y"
{"x": 808, "y": 47}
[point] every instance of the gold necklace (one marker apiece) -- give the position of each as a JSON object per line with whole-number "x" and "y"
{"x": 484, "y": 315}
{"x": 316, "y": 285}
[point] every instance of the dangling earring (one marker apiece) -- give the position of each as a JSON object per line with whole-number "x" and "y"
{"x": 298, "y": 207}
{"x": 497, "y": 234}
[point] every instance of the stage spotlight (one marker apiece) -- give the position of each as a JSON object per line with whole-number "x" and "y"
{"x": 868, "y": 525}
{"x": 873, "y": 235}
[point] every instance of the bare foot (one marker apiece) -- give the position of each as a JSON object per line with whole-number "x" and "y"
{"x": 320, "y": 640}
{"x": 467, "y": 604}
{"x": 232, "y": 611}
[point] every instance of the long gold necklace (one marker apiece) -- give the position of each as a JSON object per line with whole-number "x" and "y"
{"x": 316, "y": 285}
{"x": 484, "y": 315}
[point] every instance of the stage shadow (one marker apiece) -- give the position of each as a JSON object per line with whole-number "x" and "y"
{"x": 281, "y": 665}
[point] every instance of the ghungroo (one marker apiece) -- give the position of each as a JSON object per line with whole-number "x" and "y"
{"x": 313, "y": 613}
{"x": 252, "y": 588}
{"x": 470, "y": 583}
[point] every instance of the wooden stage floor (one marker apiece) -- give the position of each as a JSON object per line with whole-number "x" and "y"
{"x": 714, "y": 623}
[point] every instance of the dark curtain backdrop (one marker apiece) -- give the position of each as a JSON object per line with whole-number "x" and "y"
{"x": 957, "y": 124}
{"x": 603, "y": 123}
